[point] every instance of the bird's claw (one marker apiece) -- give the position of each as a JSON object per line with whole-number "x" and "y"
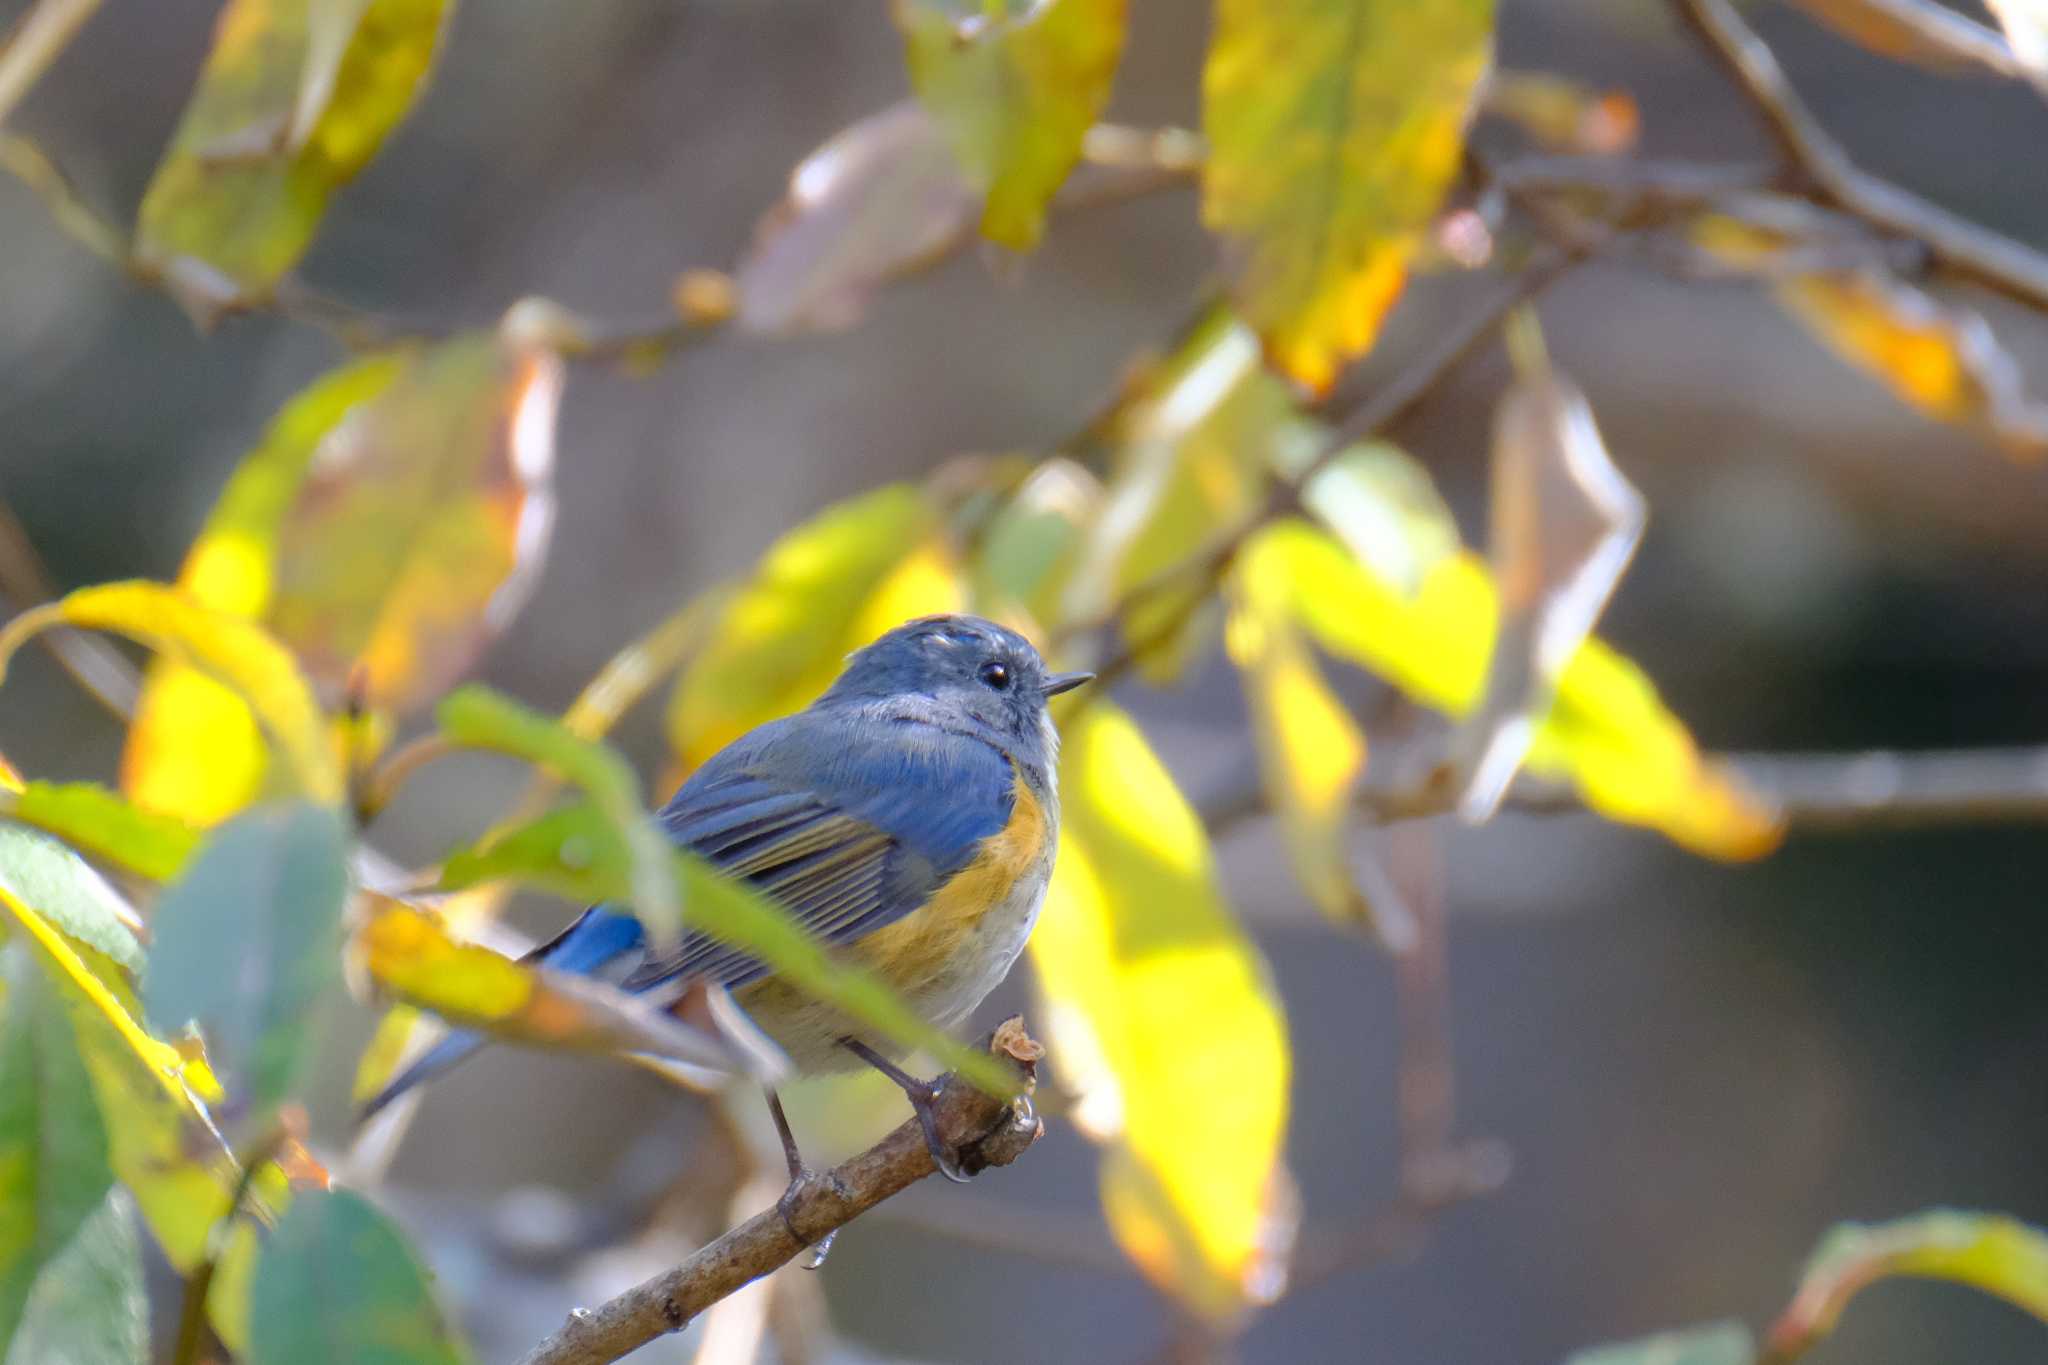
{"x": 800, "y": 1180}
{"x": 944, "y": 1157}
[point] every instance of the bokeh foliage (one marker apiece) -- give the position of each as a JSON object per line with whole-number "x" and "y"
{"x": 155, "y": 1029}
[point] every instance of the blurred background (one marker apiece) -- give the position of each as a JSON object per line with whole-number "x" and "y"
{"x": 1697, "y": 1068}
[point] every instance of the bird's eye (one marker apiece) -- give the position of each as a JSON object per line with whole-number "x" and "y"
{"x": 996, "y": 675}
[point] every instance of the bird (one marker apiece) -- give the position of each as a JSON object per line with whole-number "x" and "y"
{"x": 909, "y": 816}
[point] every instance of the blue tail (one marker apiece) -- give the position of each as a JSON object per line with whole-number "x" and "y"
{"x": 597, "y": 940}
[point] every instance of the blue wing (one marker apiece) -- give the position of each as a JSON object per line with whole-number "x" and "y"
{"x": 850, "y": 822}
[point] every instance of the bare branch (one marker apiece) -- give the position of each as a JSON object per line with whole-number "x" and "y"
{"x": 37, "y": 41}
{"x": 1954, "y": 244}
{"x": 984, "y": 1130}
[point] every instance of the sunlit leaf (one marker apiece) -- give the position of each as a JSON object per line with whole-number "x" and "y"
{"x": 295, "y": 99}
{"x": 880, "y": 198}
{"x": 1194, "y": 448}
{"x": 247, "y": 942}
{"x": 194, "y": 750}
{"x": 1988, "y": 1252}
{"x": 1335, "y": 128}
{"x": 1029, "y": 551}
{"x": 162, "y": 1145}
{"x": 67, "y": 893}
{"x": 1563, "y": 115}
{"x": 410, "y": 954}
{"x": 564, "y": 853}
{"x": 1943, "y": 360}
{"x": 53, "y": 1145}
{"x": 1164, "y": 1020}
{"x": 1607, "y": 731}
{"x": 858, "y": 569}
{"x": 91, "y": 818}
{"x": 1564, "y": 525}
{"x": 418, "y": 529}
{"x": 231, "y": 649}
{"x": 89, "y": 1306}
{"x": 1311, "y": 753}
{"x": 10, "y": 780}
{"x": 2026, "y": 28}
{"x": 339, "y": 1284}
{"x": 1720, "y": 1343}
{"x": 477, "y": 717}
{"x": 1925, "y": 33}
{"x": 1015, "y": 87}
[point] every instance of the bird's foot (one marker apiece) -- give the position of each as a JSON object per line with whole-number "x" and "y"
{"x": 801, "y": 1180}
{"x": 923, "y": 1096}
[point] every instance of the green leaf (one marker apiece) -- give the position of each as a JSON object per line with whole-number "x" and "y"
{"x": 480, "y": 718}
{"x": 248, "y": 941}
{"x": 89, "y": 1307}
{"x": 295, "y": 99}
{"x": 568, "y": 851}
{"x": 1334, "y": 127}
{"x": 338, "y": 1284}
{"x": 43, "y": 873}
{"x": 1985, "y": 1251}
{"x": 53, "y": 1146}
{"x": 1015, "y": 93}
{"x": 1720, "y": 1343}
{"x": 89, "y": 817}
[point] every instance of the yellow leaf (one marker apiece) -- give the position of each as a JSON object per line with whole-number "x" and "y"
{"x": 295, "y": 99}
{"x": 10, "y": 780}
{"x": 1163, "y": 1017}
{"x": 825, "y": 589}
{"x": 1941, "y": 359}
{"x": 147, "y": 1091}
{"x": 1606, "y": 731}
{"x": 230, "y": 649}
{"x": 1311, "y": 753}
{"x": 1015, "y": 93}
{"x": 1335, "y": 128}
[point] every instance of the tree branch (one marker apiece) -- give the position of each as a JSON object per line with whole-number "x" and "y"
{"x": 1827, "y": 175}
{"x": 985, "y": 1131}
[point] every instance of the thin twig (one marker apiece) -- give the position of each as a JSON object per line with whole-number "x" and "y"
{"x": 38, "y": 40}
{"x": 982, "y": 1129}
{"x": 101, "y": 670}
{"x": 1824, "y": 171}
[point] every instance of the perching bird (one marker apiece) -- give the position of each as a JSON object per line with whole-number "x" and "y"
{"x": 909, "y": 815}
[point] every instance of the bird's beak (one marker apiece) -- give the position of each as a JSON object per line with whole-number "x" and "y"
{"x": 1066, "y": 682}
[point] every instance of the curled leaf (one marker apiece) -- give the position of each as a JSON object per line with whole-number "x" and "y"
{"x": 1335, "y": 128}
{"x": 879, "y": 199}
{"x": 1565, "y": 523}
{"x": 295, "y": 99}
{"x": 1158, "y": 1008}
{"x": 1015, "y": 90}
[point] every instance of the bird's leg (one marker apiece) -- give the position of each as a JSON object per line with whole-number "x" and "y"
{"x": 800, "y": 1175}
{"x": 921, "y": 1095}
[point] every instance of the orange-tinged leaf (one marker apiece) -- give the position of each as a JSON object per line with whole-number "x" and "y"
{"x": 227, "y": 647}
{"x": 1606, "y": 731}
{"x": 1335, "y": 128}
{"x": 1923, "y": 32}
{"x": 1015, "y": 88}
{"x": 1157, "y": 1004}
{"x": 295, "y": 99}
{"x": 409, "y": 953}
{"x": 1995, "y": 1254}
{"x": 879, "y": 199}
{"x": 1938, "y": 358}
{"x": 1563, "y": 115}
{"x": 828, "y": 587}
{"x": 419, "y": 527}
{"x": 1311, "y": 752}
